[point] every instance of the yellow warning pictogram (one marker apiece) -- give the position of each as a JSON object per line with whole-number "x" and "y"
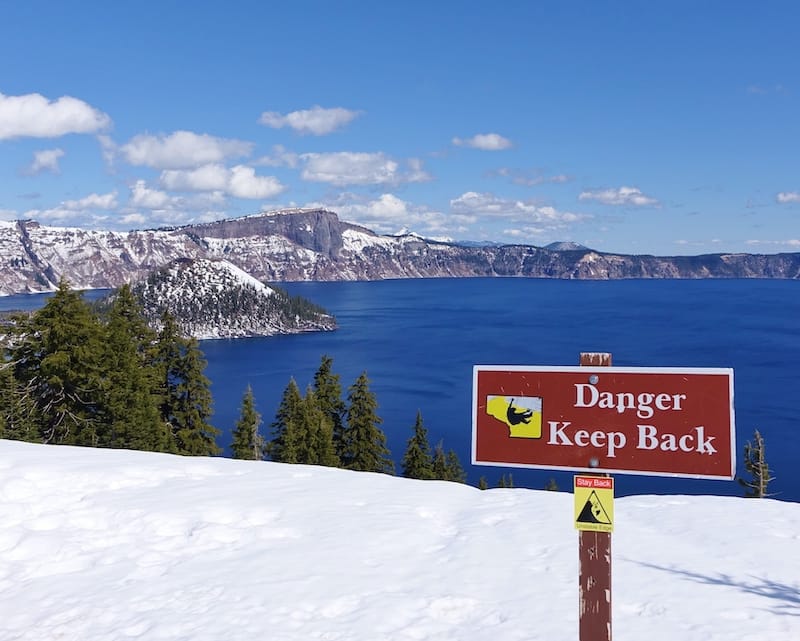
{"x": 522, "y": 414}
{"x": 594, "y": 503}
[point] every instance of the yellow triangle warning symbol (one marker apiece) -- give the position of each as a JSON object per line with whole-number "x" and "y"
{"x": 594, "y": 512}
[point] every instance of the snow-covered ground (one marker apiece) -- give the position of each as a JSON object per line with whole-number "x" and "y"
{"x": 113, "y": 545}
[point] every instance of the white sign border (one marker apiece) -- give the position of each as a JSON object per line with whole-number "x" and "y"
{"x": 533, "y": 369}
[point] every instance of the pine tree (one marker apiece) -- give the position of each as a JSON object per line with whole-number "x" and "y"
{"x": 57, "y": 366}
{"x": 328, "y": 392}
{"x": 167, "y": 361}
{"x": 183, "y": 392}
{"x": 364, "y": 443}
{"x": 417, "y": 462}
{"x": 551, "y": 485}
{"x": 247, "y": 441}
{"x": 755, "y": 463}
{"x": 455, "y": 471}
{"x": 483, "y": 484}
{"x": 284, "y": 447}
{"x": 439, "y": 462}
{"x": 16, "y": 408}
{"x": 506, "y": 482}
{"x": 131, "y": 417}
{"x": 194, "y": 435}
{"x": 319, "y": 448}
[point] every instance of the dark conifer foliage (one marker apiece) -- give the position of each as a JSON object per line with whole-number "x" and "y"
{"x": 17, "y": 410}
{"x": 417, "y": 461}
{"x": 455, "y": 471}
{"x": 755, "y": 463}
{"x": 284, "y": 447}
{"x": 447, "y": 466}
{"x": 439, "y": 462}
{"x": 318, "y": 449}
{"x": 328, "y": 394}
{"x": 130, "y": 416}
{"x": 57, "y": 363}
{"x": 184, "y": 392}
{"x": 247, "y": 441}
{"x": 506, "y": 481}
{"x": 364, "y": 446}
{"x": 194, "y": 435}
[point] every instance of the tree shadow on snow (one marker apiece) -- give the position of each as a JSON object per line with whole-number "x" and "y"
{"x": 788, "y": 595}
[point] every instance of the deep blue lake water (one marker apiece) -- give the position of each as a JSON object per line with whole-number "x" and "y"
{"x": 419, "y": 339}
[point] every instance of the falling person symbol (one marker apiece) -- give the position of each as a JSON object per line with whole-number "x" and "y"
{"x": 515, "y": 416}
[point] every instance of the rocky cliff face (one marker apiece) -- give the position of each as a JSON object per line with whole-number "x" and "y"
{"x": 316, "y": 245}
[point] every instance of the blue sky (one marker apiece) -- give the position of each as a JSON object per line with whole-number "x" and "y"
{"x": 636, "y": 127}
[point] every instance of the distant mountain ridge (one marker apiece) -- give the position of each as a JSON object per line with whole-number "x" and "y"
{"x": 314, "y": 244}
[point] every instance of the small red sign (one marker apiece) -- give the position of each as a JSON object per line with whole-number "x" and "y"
{"x": 595, "y": 482}
{"x": 633, "y": 420}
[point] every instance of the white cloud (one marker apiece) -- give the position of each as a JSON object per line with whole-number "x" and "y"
{"x": 33, "y": 115}
{"x": 389, "y": 214}
{"x": 789, "y": 242}
{"x": 82, "y": 211}
{"x": 486, "y": 142}
{"x": 45, "y": 160}
{"x": 182, "y": 150}
{"x": 152, "y": 207}
{"x": 244, "y": 183}
{"x": 280, "y": 157}
{"x": 359, "y": 168}
{"x": 316, "y": 121}
{"x": 531, "y": 178}
{"x": 144, "y": 196}
{"x": 205, "y": 178}
{"x": 523, "y": 211}
{"x": 240, "y": 181}
{"x": 621, "y": 196}
{"x": 788, "y": 197}
{"x": 108, "y": 148}
{"x": 135, "y": 219}
{"x": 8, "y": 215}
{"x": 763, "y": 90}
{"x": 93, "y": 201}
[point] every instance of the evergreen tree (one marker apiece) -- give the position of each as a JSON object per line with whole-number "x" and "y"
{"x": 328, "y": 393}
{"x": 284, "y": 447}
{"x": 131, "y": 417}
{"x": 551, "y": 485}
{"x": 16, "y": 408}
{"x": 183, "y": 393}
{"x": 318, "y": 429}
{"x": 417, "y": 462}
{"x": 167, "y": 363}
{"x": 755, "y": 463}
{"x": 439, "y": 462}
{"x": 364, "y": 443}
{"x": 247, "y": 442}
{"x": 194, "y": 435}
{"x": 455, "y": 471}
{"x": 483, "y": 484}
{"x": 506, "y": 482}
{"x": 57, "y": 365}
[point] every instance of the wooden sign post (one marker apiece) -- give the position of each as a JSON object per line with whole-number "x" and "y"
{"x": 597, "y": 420}
{"x": 594, "y": 563}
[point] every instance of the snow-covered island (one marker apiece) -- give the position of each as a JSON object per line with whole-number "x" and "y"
{"x": 216, "y": 299}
